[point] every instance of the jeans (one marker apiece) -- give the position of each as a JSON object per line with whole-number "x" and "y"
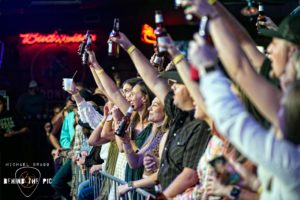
{"x": 85, "y": 191}
{"x": 61, "y": 179}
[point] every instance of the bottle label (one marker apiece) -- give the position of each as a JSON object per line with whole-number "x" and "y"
{"x": 260, "y": 8}
{"x": 162, "y": 40}
{"x": 110, "y": 47}
{"x": 159, "y": 18}
{"x": 130, "y": 110}
{"x": 157, "y": 60}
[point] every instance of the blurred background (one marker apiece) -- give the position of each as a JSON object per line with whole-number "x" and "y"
{"x": 48, "y": 63}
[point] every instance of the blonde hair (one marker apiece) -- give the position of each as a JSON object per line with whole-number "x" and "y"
{"x": 296, "y": 59}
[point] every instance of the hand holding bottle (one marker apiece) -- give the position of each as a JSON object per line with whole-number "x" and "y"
{"x": 122, "y": 40}
{"x": 202, "y": 54}
{"x": 199, "y": 8}
{"x": 265, "y": 22}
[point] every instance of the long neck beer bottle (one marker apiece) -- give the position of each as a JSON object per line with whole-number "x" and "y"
{"x": 124, "y": 123}
{"x": 114, "y": 48}
{"x": 159, "y": 195}
{"x": 261, "y": 16}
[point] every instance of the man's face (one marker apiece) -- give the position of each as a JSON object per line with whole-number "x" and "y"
{"x": 278, "y": 51}
{"x": 181, "y": 95}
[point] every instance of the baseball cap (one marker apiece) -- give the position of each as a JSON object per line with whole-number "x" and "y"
{"x": 172, "y": 75}
{"x": 289, "y": 29}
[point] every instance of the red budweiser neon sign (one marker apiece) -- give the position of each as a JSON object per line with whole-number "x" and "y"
{"x": 148, "y": 36}
{"x": 33, "y": 38}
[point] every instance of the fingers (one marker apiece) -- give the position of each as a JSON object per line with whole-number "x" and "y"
{"x": 166, "y": 42}
{"x": 200, "y": 40}
{"x": 185, "y": 3}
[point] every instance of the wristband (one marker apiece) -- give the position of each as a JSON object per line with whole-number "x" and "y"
{"x": 212, "y": 2}
{"x": 177, "y": 58}
{"x": 130, "y": 49}
{"x": 99, "y": 71}
{"x": 101, "y": 124}
{"x": 77, "y": 94}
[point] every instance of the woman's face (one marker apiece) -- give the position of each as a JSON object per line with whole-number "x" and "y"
{"x": 156, "y": 111}
{"x": 126, "y": 90}
{"x": 136, "y": 98}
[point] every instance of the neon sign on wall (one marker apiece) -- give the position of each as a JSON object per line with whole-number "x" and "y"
{"x": 148, "y": 36}
{"x": 33, "y": 38}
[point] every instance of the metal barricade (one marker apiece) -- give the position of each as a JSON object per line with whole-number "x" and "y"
{"x": 98, "y": 178}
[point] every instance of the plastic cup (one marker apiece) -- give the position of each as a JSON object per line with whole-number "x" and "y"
{"x": 67, "y": 82}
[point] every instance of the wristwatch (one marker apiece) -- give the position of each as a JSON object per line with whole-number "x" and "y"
{"x": 208, "y": 69}
{"x": 235, "y": 192}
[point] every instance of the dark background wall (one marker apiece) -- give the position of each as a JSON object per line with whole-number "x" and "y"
{"x": 49, "y": 63}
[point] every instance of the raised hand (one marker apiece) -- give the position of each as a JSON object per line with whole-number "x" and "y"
{"x": 122, "y": 40}
{"x": 266, "y": 22}
{"x": 202, "y": 54}
{"x": 199, "y": 8}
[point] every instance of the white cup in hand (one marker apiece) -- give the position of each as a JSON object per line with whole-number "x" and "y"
{"x": 67, "y": 83}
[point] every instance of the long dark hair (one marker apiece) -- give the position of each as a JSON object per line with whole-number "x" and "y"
{"x": 149, "y": 97}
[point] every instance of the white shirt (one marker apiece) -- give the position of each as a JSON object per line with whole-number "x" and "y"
{"x": 276, "y": 158}
{"x": 88, "y": 114}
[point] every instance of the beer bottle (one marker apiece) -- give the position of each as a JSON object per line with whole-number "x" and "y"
{"x": 159, "y": 195}
{"x": 160, "y": 32}
{"x": 83, "y": 46}
{"x": 203, "y": 32}
{"x": 88, "y": 46}
{"x": 114, "y": 48}
{"x": 124, "y": 123}
{"x": 261, "y": 16}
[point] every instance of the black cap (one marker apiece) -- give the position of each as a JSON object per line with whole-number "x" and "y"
{"x": 289, "y": 29}
{"x": 172, "y": 75}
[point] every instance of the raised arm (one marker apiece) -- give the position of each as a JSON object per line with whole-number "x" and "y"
{"x": 244, "y": 39}
{"x": 97, "y": 80}
{"x": 264, "y": 95}
{"x": 278, "y": 156}
{"x": 109, "y": 85}
{"x": 159, "y": 86}
{"x": 183, "y": 69}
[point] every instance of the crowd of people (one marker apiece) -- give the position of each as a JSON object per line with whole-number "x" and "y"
{"x": 231, "y": 135}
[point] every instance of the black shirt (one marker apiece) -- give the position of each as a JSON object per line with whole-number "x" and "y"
{"x": 186, "y": 142}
